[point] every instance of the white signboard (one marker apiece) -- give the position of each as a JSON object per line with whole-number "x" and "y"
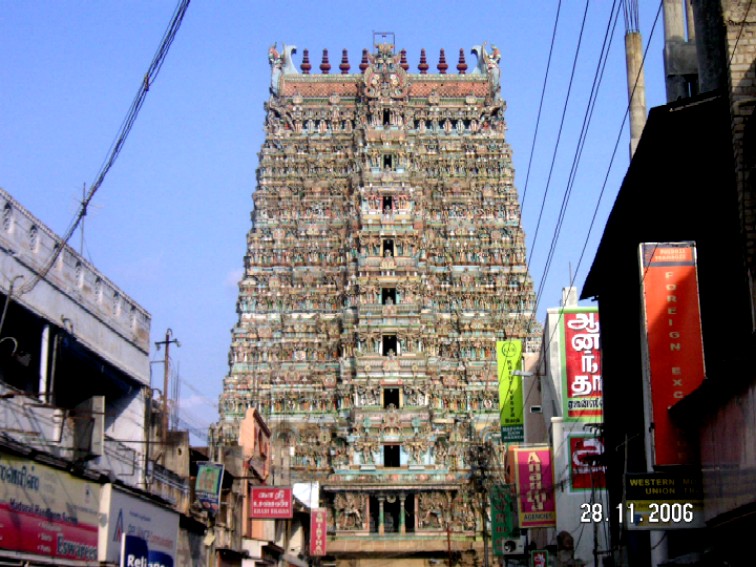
{"x": 130, "y": 515}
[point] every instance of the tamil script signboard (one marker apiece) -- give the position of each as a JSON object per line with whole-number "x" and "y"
{"x": 271, "y": 503}
{"x": 46, "y": 511}
{"x": 581, "y": 365}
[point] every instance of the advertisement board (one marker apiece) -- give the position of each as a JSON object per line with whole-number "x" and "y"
{"x": 534, "y": 479}
{"x": 318, "y": 530}
{"x": 581, "y": 365}
{"x": 673, "y": 342}
{"x": 670, "y": 500}
{"x": 270, "y": 503}
{"x": 502, "y": 515}
{"x": 539, "y": 558}
{"x": 47, "y": 512}
{"x": 586, "y": 473}
{"x": 509, "y": 359}
{"x": 133, "y": 516}
{"x": 207, "y": 487}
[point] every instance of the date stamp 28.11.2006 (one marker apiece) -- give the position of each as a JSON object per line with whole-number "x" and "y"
{"x": 650, "y": 515}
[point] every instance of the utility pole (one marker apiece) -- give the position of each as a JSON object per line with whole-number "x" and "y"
{"x": 166, "y": 368}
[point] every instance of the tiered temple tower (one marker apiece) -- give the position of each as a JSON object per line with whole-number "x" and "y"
{"x": 385, "y": 260}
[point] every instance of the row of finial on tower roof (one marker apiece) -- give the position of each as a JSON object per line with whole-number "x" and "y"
{"x": 325, "y": 65}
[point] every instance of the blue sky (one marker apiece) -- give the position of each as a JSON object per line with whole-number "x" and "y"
{"x": 168, "y": 224}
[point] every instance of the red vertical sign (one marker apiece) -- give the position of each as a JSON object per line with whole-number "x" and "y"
{"x": 582, "y": 366}
{"x": 674, "y": 340}
{"x": 318, "y": 530}
{"x": 535, "y": 487}
{"x": 586, "y": 472}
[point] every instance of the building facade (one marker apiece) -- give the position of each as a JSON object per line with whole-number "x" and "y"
{"x": 385, "y": 259}
{"x": 703, "y": 433}
{"x": 74, "y": 381}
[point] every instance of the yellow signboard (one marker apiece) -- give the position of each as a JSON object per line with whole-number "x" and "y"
{"x": 509, "y": 359}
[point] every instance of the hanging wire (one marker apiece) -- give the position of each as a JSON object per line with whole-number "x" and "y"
{"x": 540, "y": 105}
{"x": 149, "y": 78}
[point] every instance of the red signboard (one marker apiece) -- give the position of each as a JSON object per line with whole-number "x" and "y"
{"x": 585, "y": 471}
{"x": 583, "y": 396}
{"x": 534, "y": 475}
{"x": 674, "y": 341}
{"x": 29, "y": 530}
{"x": 539, "y": 558}
{"x": 318, "y": 530}
{"x": 270, "y": 503}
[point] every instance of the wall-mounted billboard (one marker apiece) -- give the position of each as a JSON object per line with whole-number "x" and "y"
{"x": 270, "y": 503}
{"x": 509, "y": 359}
{"x": 673, "y": 342}
{"x": 46, "y": 511}
{"x": 534, "y": 478}
{"x": 581, "y": 365}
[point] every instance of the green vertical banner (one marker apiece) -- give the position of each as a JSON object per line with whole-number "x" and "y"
{"x": 503, "y": 514}
{"x": 508, "y": 359}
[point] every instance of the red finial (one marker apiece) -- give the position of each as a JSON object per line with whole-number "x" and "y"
{"x": 306, "y": 62}
{"x": 364, "y": 62}
{"x": 423, "y": 67}
{"x": 325, "y": 66}
{"x": 344, "y": 62}
{"x": 442, "y": 66}
{"x": 461, "y": 66}
{"x": 403, "y": 62}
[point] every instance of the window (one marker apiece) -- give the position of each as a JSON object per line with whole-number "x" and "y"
{"x": 388, "y": 296}
{"x": 388, "y": 248}
{"x": 388, "y": 161}
{"x": 391, "y": 455}
{"x": 388, "y": 204}
{"x": 391, "y": 398}
{"x": 389, "y": 345}
{"x": 387, "y": 117}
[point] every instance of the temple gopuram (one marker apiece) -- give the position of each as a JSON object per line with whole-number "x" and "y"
{"x": 386, "y": 258}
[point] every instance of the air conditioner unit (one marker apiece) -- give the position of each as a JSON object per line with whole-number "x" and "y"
{"x": 513, "y": 546}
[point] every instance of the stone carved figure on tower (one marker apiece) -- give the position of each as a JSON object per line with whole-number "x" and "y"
{"x": 417, "y": 448}
{"x": 348, "y": 508}
{"x": 280, "y": 64}
{"x": 384, "y": 77}
{"x": 431, "y": 509}
{"x": 488, "y": 63}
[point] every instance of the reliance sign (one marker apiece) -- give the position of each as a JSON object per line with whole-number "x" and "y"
{"x": 674, "y": 344}
{"x": 270, "y": 503}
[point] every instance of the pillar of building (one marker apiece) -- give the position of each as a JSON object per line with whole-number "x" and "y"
{"x": 381, "y": 528}
{"x": 402, "y": 525}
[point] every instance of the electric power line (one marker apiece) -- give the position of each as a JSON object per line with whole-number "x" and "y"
{"x": 115, "y": 149}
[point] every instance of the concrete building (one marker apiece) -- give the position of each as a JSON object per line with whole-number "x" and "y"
{"x": 572, "y": 409}
{"x": 74, "y": 377}
{"x": 689, "y": 188}
{"x": 385, "y": 260}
